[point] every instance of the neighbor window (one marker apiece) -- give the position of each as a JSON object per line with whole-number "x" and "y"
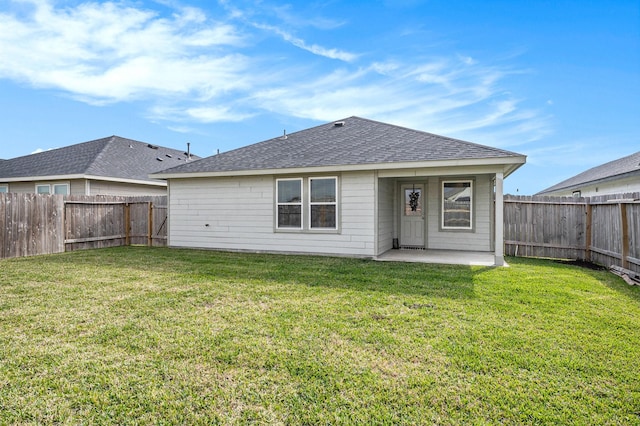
{"x": 323, "y": 203}
{"x": 43, "y": 189}
{"x": 4, "y": 188}
{"x": 289, "y": 203}
{"x": 56, "y": 188}
{"x": 62, "y": 189}
{"x": 457, "y": 204}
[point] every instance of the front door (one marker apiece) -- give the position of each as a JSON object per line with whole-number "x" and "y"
{"x": 412, "y": 216}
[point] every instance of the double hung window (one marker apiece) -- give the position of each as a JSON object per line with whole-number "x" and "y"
{"x": 323, "y": 203}
{"x": 307, "y": 203}
{"x": 289, "y": 202}
{"x": 457, "y": 204}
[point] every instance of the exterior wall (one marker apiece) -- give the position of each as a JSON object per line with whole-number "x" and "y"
{"x": 477, "y": 240}
{"x": 387, "y": 208}
{"x": 237, "y": 213}
{"x": 76, "y": 187}
{"x": 101, "y": 187}
{"x": 619, "y": 186}
{"x": 96, "y": 187}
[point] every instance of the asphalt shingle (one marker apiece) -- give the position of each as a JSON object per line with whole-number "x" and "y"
{"x": 355, "y": 142}
{"x": 615, "y": 168}
{"x": 112, "y": 157}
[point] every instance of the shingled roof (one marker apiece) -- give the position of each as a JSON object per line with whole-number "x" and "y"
{"x": 348, "y": 142}
{"x": 619, "y": 168}
{"x": 110, "y": 157}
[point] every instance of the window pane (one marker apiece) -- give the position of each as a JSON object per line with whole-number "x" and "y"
{"x": 323, "y": 216}
{"x": 4, "y": 189}
{"x": 323, "y": 190}
{"x": 412, "y": 202}
{"x": 43, "y": 189}
{"x": 289, "y": 191}
{"x": 289, "y": 216}
{"x": 456, "y": 204}
{"x": 60, "y": 189}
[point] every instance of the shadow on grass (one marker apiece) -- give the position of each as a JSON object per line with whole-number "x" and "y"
{"x": 448, "y": 281}
{"x": 597, "y": 272}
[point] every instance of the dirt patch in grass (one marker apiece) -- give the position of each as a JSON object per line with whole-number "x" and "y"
{"x": 582, "y": 264}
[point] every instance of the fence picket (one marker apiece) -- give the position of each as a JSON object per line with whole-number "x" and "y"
{"x": 32, "y": 224}
{"x": 603, "y": 230}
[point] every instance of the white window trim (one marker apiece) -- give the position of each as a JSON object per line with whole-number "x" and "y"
{"x": 334, "y": 203}
{"x": 471, "y": 205}
{"x": 301, "y": 204}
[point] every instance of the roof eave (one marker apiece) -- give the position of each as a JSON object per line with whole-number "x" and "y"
{"x": 82, "y": 176}
{"x": 509, "y": 165}
{"x": 580, "y": 185}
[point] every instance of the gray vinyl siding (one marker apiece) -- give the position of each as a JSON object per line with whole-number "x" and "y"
{"x": 386, "y": 213}
{"x": 101, "y": 187}
{"x": 237, "y": 213}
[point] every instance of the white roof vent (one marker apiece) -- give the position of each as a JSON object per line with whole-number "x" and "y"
{"x": 338, "y": 124}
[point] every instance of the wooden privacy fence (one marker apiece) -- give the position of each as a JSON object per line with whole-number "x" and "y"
{"x": 33, "y": 224}
{"x": 604, "y": 230}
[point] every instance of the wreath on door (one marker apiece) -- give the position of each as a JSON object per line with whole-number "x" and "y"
{"x": 413, "y": 200}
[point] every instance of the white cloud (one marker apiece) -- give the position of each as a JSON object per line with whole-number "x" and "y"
{"x": 107, "y": 52}
{"x": 189, "y": 68}
{"x": 330, "y": 53}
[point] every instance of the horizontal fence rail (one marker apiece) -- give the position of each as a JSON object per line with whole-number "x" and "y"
{"x": 603, "y": 230}
{"x": 32, "y": 224}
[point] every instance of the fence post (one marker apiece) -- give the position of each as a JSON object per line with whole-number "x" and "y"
{"x": 127, "y": 224}
{"x": 150, "y": 225}
{"x": 625, "y": 234}
{"x": 589, "y": 219}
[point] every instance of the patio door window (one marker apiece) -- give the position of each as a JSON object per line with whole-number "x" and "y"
{"x": 457, "y": 204}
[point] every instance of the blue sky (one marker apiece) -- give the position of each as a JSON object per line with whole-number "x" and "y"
{"x": 558, "y": 81}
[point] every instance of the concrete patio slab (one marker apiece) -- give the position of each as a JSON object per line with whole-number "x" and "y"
{"x": 451, "y": 257}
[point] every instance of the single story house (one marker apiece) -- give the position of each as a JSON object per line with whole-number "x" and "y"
{"x": 615, "y": 177}
{"x": 354, "y": 187}
{"x": 107, "y": 166}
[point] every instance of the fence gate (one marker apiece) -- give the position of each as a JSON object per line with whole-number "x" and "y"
{"x": 114, "y": 221}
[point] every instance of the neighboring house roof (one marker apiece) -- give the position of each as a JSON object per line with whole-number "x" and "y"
{"x": 112, "y": 158}
{"x": 621, "y": 168}
{"x": 353, "y": 141}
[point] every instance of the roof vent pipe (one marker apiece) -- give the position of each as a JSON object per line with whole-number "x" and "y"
{"x": 188, "y": 151}
{"x": 284, "y": 134}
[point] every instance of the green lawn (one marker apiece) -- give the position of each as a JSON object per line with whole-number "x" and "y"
{"x": 157, "y": 336}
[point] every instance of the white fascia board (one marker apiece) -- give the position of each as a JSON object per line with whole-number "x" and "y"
{"x": 41, "y": 178}
{"x": 74, "y": 177}
{"x": 500, "y": 164}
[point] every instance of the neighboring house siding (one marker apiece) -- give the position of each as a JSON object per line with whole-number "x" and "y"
{"x": 480, "y": 238}
{"x": 619, "y": 186}
{"x": 387, "y": 208}
{"x": 100, "y": 187}
{"x": 79, "y": 187}
{"x": 239, "y": 213}
{"x": 29, "y": 187}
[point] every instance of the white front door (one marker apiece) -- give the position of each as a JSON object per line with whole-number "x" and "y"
{"x": 412, "y": 216}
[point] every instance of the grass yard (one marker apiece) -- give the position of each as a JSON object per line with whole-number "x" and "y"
{"x": 157, "y": 336}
